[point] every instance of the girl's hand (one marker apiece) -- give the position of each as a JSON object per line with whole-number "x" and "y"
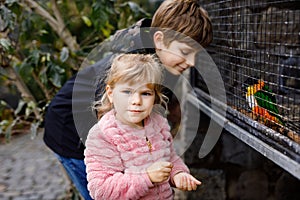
{"x": 185, "y": 181}
{"x": 159, "y": 171}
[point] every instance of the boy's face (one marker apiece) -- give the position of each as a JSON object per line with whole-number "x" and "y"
{"x": 132, "y": 102}
{"x": 177, "y": 57}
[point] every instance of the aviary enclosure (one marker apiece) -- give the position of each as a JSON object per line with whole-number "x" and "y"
{"x": 256, "y": 48}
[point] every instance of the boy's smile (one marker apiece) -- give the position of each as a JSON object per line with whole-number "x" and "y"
{"x": 177, "y": 57}
{"x": 132, "y": 102}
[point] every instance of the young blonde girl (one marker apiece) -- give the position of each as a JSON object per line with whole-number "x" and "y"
{"x": 129, "y": 153}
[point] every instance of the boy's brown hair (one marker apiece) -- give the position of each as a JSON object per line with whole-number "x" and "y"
{"x": 186, "y": 17}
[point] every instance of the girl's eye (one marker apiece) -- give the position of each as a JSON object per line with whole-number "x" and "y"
{"x": 147, "y": 93}
{"x": 126, "y": 91}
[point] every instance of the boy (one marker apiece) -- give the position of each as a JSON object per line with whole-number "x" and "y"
{"x": 68, "y": 116}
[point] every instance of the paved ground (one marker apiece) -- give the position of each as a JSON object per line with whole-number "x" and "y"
{"x": 29, "y": 171}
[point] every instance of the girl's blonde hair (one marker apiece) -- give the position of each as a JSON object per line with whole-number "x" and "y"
{"x": 132, "y": 68}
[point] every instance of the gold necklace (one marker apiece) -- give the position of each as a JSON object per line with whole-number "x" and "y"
{"x": 149, "y": 144}
{"x": 147, "y": 140}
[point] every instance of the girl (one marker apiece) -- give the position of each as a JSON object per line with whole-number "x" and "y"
{"x": 129, "y": 153}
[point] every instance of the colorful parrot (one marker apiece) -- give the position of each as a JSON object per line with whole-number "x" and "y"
{"x": 261, "y": 100}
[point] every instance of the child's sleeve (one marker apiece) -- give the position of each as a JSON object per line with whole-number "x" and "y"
{"x": 106, "y": 175}
{"x": 178, "y": 164}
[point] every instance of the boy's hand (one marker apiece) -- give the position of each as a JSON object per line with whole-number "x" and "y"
{"x": 185, "y": 181}
{"x": 159, "y": 171}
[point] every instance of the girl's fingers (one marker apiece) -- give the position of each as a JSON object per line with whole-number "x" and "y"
{"x": 187, "y": 182}
{"x": 195, "y": 180}
{"x": 167, "y": 164}
{"x": 194, "y": 185}
{"x": 190, "y": 185}
{"x": 184, "y": 182}
{"x": 167, "y": 169}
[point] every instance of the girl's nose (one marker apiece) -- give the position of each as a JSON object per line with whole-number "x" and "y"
{"x": 136, "y": 99}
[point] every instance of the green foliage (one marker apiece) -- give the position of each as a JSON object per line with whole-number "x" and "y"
{"x": 49, "y": 71}
{"x": 7, "y": 17}
{"x": 129, "y": 12}
{"x": 6, "y": 45}
{"x": 39, "y": 55}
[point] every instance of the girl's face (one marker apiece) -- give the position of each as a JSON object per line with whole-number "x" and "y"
{"x": 176, "y": 57}
{"x": 132, "y": 102}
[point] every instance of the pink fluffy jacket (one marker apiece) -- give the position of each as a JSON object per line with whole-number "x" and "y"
{"x": 117, "y": 157}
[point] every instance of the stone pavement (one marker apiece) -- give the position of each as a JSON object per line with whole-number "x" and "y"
{"x": 30, "y": 171}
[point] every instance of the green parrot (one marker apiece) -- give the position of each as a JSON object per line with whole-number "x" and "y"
{"x": 261, "y": 100}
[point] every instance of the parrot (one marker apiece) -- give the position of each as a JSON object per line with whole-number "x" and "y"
{"x": 261, "y": 100}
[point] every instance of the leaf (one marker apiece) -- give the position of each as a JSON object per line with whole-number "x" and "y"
{"x": 30, "y": 107}
{"x": 56, "y": 74}
{"x": 106, "y": 32}
{"x": 20, "y": 106}
{"x": 87, "y": 21}
{"x": 5, "y": 43}
{"x": 43, "y": 31}
{"x": 35, "y": 57}
{"x": 136, "y": 8}
{"x": 10, "y": 1}
{"x": 3, "y": 104}
{"x": 64, "y": 54}
{"x": 3, "y": 125}
{"x": 7, "y": 18}
{"x": 43, "y": 75}
{"x": 25, "y": 69}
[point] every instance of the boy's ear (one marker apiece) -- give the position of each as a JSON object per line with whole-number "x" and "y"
{"x": 158, "y": 40}
{"x": 109, "y": 92}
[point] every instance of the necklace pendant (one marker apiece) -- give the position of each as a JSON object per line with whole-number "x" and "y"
{"x": 149, "y": 144}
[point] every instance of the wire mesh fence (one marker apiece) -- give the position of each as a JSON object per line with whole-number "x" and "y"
{"x": 256, "y": 47}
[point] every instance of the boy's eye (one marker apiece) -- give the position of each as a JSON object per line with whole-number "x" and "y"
{"x": 184, "y": 52}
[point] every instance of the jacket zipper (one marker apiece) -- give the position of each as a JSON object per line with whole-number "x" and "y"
{"x": 149, "y": 144}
